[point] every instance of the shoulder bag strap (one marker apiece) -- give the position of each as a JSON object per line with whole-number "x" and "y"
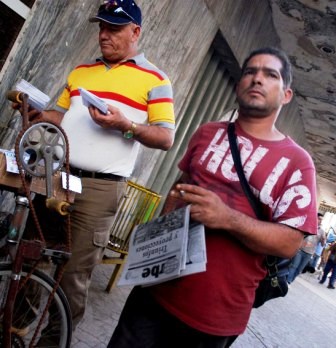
{"x": 271, "y": 261}
{"x": 240, "y": 172}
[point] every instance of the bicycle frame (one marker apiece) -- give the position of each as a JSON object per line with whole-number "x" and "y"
{"x": 19, "y": 250}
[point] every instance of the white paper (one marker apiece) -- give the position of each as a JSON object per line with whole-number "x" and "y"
{"x": 75, "y": 183}
{"x": 11, "y": 163}
{"x": 196, "y": 250}
{"x": 37, "y": 99}
{"x": 91, "y": 99}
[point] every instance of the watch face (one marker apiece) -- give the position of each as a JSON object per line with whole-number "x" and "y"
{"x": 128, "y": 134}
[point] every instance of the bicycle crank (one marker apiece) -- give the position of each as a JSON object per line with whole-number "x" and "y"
{"x": 46, "y": 146}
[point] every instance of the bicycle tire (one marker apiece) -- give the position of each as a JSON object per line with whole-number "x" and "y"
{"x": 34, "y": 295}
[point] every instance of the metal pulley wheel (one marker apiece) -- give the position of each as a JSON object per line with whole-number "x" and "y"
{"x": 46, "y": 146}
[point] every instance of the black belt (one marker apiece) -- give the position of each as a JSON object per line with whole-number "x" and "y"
{"x": 95, "y": 175}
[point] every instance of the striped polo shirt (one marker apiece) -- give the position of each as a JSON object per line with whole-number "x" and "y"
{"x": 139, "y": 89}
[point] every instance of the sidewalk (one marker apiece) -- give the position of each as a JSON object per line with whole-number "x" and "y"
{"x": 305, "y": 318}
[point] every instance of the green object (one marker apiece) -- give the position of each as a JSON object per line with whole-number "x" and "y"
{"x": 12, "y": 233}
{"x": 130, "y": 133}
{"x": 148, "y": 212}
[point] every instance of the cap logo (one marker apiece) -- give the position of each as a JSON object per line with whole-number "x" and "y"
{"x": 110, "y": 4}
{"x": 121, "y": 10}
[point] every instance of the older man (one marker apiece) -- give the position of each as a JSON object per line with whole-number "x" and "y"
{"x": 104, "y": 147}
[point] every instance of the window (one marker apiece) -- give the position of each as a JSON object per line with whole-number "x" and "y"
{"x": 13, "y": 14}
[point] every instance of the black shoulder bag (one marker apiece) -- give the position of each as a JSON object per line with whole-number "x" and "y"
{"x": 275, "y": 283}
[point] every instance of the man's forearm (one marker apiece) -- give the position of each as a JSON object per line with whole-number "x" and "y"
{"x": 260, "y": 236}
{"x": 265, "y": 237}
{"x": 46, "y": 116}
{"x": 154, "y": 136}
{"x": 52, "y": 116}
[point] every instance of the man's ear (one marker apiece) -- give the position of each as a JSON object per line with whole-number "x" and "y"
{"x": 288, "y": 95}
{"x": 136, "y": 32}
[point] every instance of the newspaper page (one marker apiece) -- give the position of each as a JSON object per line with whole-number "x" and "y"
{"x": 196, "y": 250}
{"x": 163, "y": 249}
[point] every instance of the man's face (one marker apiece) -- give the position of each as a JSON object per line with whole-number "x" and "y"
{"x": 261, "y": 90}
{"x": 118, "y": 42}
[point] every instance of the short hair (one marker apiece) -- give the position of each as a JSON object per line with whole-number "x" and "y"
{"x": 286, "y": 71}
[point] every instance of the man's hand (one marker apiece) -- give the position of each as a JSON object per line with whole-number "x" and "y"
{"x": 152, "y": 136}
{"x": 33, "y": 114}
{"x": 206, "y": 206}
{"x": 114, "y": 119}
{"x": 261, "y": 236}
{"x": 45, "y": 115}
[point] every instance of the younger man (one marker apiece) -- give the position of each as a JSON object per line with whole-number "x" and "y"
{"x": 210, "y": 309}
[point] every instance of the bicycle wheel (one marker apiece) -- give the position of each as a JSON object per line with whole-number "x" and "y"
{"x": 29, "y": 306}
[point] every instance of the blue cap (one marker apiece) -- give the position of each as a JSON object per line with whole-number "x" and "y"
{"x": 118, "y": 12}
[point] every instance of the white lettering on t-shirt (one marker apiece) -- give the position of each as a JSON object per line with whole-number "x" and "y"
{"x": 219, "y": 158}
{"x": 265, "y": 193}
{"x": 300, "y": 192}
{"x": 296, "y": 177}
{"x": 295, "y": 222}
{"x": 217, "y": 149}
{"x": 254, "y": 159}
{"x": 219, "y": 154}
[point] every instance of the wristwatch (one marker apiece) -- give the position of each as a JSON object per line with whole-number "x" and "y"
{"x": 129, "y": 134}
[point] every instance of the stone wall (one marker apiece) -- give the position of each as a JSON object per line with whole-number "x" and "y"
{"x": 176, "y": 37}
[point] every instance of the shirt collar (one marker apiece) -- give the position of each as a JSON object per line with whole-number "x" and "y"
{"x": 138, "y": 59}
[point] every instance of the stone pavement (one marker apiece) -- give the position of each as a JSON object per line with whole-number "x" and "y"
{"x": 305, "y": 318}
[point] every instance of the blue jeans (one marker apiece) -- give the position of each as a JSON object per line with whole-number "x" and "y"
{"x": 330, "y": 266}
{"x": 314, "y": 261}
{"x": 299, "y": 262}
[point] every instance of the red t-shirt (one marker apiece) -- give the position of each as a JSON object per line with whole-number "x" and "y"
{"x": 282, "y": 175}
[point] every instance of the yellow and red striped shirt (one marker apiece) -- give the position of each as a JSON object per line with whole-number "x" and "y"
{"x": 139, "y": 89}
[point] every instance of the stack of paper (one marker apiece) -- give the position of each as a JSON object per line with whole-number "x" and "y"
{"x": 163, "y": 249}
{"x": 37, "y": 99}
{"x": 91, "y": 99}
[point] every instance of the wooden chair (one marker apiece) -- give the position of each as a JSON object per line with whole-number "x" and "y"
{"x": 137, "y": 206}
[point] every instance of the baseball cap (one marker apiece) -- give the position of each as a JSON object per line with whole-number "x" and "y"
{"x": 118, "y": 12}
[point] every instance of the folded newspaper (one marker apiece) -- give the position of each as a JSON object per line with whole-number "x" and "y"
{"x": 36, "y": 99}
{"x": 165, "y": 248}
{"x": 89, "y": 98}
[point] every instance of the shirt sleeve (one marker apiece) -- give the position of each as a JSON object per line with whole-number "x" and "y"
{"x": 63, "y": 101}
{"x": 160, "y": 105}
{"x": 184, "y": 164}
{"x": 297, "y": 204}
